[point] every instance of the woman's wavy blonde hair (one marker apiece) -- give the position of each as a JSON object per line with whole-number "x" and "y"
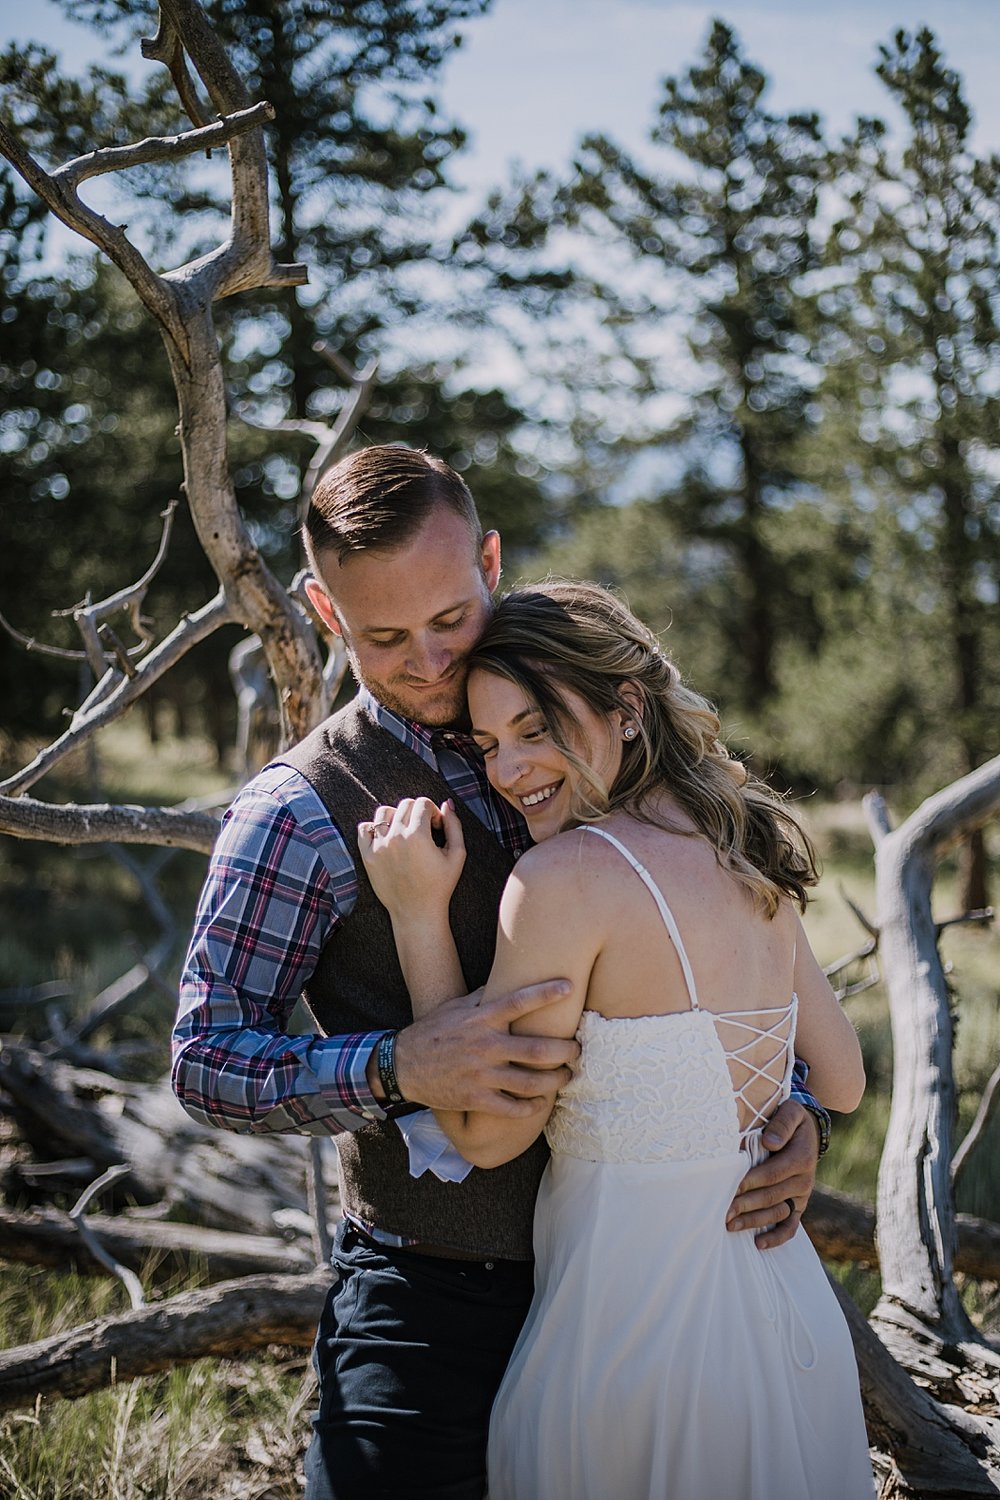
{"x": 564, "y": 635}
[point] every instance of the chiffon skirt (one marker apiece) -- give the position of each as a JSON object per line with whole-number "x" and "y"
{"x": 666, "y": 1359}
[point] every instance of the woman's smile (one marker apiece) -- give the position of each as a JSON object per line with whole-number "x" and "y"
{"x": 523, "y": 761}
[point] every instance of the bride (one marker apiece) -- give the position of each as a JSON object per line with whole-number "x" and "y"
{"x": 662, "y": 1356}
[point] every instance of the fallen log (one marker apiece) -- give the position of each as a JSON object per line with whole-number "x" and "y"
{"x": 218, "y": 1178}
{"x": 919, "y": 1442}
{"x": 843, "y": 1228}
{"x": 228, "y": 1321}
{"x": 161, "y": 1251}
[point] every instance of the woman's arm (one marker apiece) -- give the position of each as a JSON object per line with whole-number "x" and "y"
{"x": 414, "y": 877}
{"x": 547, "y": 926}
{"x": 824, "y": 1036}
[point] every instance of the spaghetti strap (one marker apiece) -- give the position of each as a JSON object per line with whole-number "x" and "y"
{"x": 669, "y": 920}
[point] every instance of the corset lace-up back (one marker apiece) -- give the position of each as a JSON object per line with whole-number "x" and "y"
{"x": 677, "y": 1086}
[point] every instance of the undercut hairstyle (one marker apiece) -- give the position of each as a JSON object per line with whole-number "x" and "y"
{"x": 378, "y": 498}
{"x": 564, "y": 636}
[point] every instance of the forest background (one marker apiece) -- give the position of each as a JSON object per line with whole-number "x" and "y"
{"x": 736, "y": 358}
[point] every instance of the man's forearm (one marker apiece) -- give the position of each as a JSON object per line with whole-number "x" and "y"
{"x": 259, "y": 1082}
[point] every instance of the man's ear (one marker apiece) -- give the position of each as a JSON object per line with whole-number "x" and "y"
{"x": 491, "y": 559}
{"x": 323, "y": 605}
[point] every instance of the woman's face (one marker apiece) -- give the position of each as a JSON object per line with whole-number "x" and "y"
{"x": 523, "y": 762}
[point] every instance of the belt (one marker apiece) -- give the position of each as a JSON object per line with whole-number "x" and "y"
{"x": 439, "y": 1252}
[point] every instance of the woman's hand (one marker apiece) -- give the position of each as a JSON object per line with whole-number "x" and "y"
{"x": 413, "y": 855}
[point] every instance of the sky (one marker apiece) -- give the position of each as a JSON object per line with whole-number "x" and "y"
{"x": 533, "y": 75}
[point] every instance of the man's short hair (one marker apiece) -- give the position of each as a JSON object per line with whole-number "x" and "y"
{"x": 377, "y": 498}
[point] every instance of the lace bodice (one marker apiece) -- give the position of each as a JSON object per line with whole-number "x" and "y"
{"x": 677, "y": 1087}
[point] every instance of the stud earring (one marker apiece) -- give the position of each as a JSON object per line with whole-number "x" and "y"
{"x": 629, "y": 732}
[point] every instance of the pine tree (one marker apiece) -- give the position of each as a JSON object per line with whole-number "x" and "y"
{"x": 917, "y": 253}
{"x": 726, "y": 240}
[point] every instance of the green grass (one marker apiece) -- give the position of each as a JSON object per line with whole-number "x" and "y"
{"x": 215, "y": 1428}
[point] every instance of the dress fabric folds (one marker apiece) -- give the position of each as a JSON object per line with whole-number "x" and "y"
{"x": 663, "y": 1357}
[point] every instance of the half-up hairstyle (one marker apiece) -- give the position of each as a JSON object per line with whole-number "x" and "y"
{"x": 563, "y": 635}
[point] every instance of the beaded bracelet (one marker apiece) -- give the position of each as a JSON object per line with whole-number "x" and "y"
{"x": 822, "y": 1121}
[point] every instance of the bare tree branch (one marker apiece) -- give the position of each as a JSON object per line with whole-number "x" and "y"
{"x": 229, "y": 1319}
{"x": 988, "y": 1106}
{"x": 915, "y": 1204}
{"x": 245, "y": 261}
{"x": 115, "y": 693}
{"x": 330, "y": 438}
{"x": 160, "y": 298}
{"x": 161, "y": 1249}
{"x": 166, "y": 47}
{"x": 362, "y": 386}
{"x": 132, "y": 597}
{"x": 161, "y": 148}
{"x": 101, "y": 823}
{"x": 30, "y": 643}
{"x": 77, "y": 1213}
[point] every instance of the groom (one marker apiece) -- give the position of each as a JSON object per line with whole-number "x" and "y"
{"x": 434, "y": 1277}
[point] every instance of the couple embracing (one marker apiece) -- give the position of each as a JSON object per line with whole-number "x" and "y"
{"x": 575, "y": 1146}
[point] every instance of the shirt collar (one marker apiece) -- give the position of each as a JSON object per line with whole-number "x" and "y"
{"x": 410, "y": 732}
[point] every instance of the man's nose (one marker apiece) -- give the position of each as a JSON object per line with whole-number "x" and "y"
{"x": 429, "y": 659}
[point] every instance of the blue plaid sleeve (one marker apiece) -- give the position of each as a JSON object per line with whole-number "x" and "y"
{"x": 279, "y": 880}
{"x": 799, "y": 1090}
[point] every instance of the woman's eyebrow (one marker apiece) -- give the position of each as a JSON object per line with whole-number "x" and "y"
{"x": 487, "y": 734}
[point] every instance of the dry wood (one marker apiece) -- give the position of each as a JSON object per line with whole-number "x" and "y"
{"x": 843, "y": 1228}
{"x": 915, "y": 1204}
{"x": 231, "y": 1319}
{"x": 161, "y": 1251}
{"x": 928, "y": 1456}
{"x": 217, "y": 1178}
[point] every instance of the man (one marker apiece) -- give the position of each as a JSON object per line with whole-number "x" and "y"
{"x": 434, "y": 1275}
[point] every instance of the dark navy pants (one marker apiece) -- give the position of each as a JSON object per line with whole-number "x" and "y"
{"x": 410, "y": 1352}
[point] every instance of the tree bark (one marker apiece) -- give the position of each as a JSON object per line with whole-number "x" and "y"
{"x": 161, "y": 1251}
{"x": 231, "y": 1319}
{"x": 928, "y": 1457}
{"x": 916, "y": 1220}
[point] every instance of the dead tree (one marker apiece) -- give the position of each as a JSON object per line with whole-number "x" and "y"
{"x": 920, "y": 1317}
{"x": 181, "y": 302}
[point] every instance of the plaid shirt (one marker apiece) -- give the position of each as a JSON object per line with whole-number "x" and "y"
{"x": 279, "y": 882}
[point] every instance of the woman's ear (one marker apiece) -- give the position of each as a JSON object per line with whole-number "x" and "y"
{"x": 631, "y": 694}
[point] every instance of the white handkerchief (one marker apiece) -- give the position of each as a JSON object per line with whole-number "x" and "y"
{"x": 430, "y": 1149}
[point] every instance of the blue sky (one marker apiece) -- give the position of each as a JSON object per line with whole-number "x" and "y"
{"x": 533, "y": 74}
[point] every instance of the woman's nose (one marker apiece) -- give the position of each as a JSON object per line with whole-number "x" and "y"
{"x": 510, "y": 768}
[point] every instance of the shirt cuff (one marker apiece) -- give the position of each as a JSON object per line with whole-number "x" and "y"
{"x": 430, "y": 1149}
{"x": 799, "y": 1091}
{"x": 343, "y": 1072}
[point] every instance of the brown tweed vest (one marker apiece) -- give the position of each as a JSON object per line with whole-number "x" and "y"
{"x": 354, "y": 765}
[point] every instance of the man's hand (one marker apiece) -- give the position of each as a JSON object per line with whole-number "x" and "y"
{"x": 462, "y": 1055}
{"x": 764, "y": 1197}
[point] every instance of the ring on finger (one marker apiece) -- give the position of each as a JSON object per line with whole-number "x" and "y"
{"x": 791, "y": 1206}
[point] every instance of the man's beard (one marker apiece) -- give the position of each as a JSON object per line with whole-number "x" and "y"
{"x": 438, "y": 711}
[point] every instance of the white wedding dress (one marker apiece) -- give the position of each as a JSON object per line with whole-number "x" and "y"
{"x": 665, "y": 1358}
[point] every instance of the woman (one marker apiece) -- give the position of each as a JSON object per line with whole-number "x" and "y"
{"x": 662, "y": 1356}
